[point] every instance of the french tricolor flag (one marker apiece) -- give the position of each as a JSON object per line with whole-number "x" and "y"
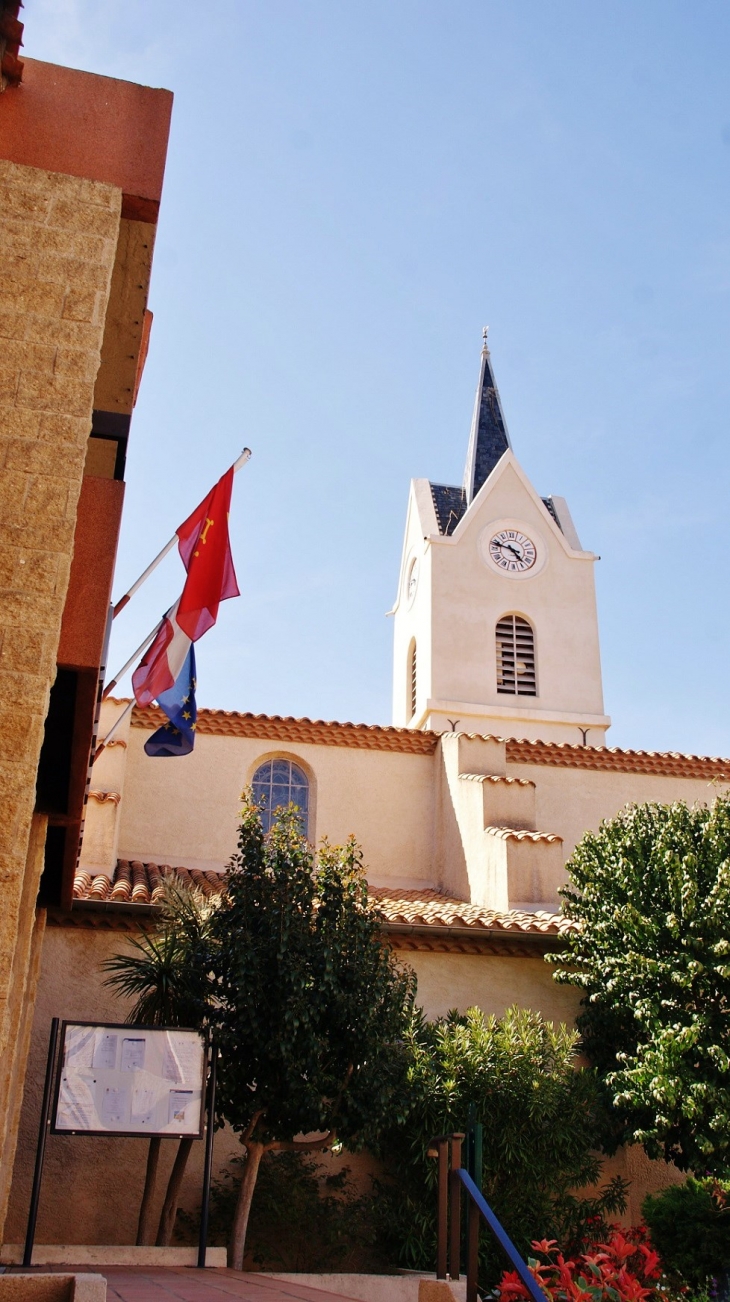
{"x": 162, "y": 664}
{"x": 166, "y": 673}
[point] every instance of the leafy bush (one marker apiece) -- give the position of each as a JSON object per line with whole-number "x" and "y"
{"x": 650, "y": 891}
{"x": 302, "y": 1219}
{"x": 541, "y": 1115}
{"x": 690, "y": 1228}
{"x": 624, "y": 1269}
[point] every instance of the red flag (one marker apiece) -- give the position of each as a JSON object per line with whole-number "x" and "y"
{"x": 206, "y": 554}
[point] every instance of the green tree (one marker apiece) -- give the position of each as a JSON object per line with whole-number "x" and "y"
{"x": 541, "y": 1114}
{"x": 311, "y": 1006}
{"x": 165, "y": 976}
{"x": 650, "y": 893}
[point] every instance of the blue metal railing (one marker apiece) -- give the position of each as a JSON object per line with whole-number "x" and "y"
{"x": 450, "y": 1184}
{"x": 479, "y": 1207}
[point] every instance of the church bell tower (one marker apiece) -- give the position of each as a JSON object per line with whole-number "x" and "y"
{"x": 496, "y": 629}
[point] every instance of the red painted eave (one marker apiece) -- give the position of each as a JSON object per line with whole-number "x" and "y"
{"x": 98, "y": 128}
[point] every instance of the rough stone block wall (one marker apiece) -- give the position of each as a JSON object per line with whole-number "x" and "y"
{"x": 58, "y": 236}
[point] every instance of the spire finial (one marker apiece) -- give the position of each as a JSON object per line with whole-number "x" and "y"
{"x": 489, "y": 439}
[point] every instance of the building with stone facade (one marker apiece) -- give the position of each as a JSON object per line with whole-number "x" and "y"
{"x": 466, "y": 807}
{"x": 81, "y": 168}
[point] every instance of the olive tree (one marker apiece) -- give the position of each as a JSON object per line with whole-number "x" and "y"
{"x": 650, "y": 895}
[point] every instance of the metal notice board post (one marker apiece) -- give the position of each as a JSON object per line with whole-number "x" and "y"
{"x": 131, "y": 1081}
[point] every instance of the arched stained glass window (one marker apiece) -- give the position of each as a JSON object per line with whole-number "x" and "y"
{"x": 277, "y": 783}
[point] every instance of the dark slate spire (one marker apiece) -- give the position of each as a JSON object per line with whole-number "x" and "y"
{"x": 489, "y": 439}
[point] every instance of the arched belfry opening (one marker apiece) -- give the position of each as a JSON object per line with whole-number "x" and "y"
{"x": 516, "y": 667}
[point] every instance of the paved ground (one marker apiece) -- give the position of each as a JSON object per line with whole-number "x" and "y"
{"x": 182, "y": 1284}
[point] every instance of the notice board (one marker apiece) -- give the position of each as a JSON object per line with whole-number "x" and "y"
{"x": 129, "y": 1080}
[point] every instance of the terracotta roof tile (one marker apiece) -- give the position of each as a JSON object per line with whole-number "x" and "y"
{"x": 431, "y": 908}
{"x": 141, "y": 883}
{"x": 523, "y": 834}
{"x": 11, "y": 39}
{"x": 496, "y": 778}
{"x": 274, "y": 727}
{"x": 663, "y": 763}
{"x": 363, "y": 736}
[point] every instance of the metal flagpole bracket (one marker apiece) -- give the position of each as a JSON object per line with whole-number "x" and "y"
{"x": 123, "y": 601}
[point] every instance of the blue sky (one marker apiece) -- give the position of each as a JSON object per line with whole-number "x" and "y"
{"x": 353, "y": 189}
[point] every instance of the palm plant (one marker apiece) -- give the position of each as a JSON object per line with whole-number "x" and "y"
{"x": 163, "y": 976}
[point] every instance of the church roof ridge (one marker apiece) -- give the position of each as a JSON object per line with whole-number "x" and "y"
{"x": 373, "y": 736}
{"x": 564, "y": 754}
{"x": 363, "y": 736}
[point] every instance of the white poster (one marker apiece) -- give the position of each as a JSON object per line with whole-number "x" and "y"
{"x": 76, "y": 1107}
{"x": 114, "y": 1105}
{"x": 105, "y": 1051}
{"x": 81, "y": 1051}
{"x": 143, "y": 1106}
{"x": 133, "y": 1053}
{"x": 180, "y": 1101}
{"x": 130, "y": 1080}
{"x": 180, "y": 1062}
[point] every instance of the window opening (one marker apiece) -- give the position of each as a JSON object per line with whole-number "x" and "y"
{"x": 515, "y": 657}
{"x": 279, "y": 783}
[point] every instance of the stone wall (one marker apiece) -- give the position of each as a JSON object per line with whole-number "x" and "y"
{"x": 58, "y": 237}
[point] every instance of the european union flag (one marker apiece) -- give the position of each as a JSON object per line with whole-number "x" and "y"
{"x": 178, "y": 736}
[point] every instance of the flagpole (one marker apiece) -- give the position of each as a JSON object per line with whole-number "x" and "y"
{"x": 140, "y": 650}
{"x": 244, "y": 457}
{"x": 117, "y": 724}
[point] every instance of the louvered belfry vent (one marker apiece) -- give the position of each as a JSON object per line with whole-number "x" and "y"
{"x": 413, "y": 683}
{"x": 515, "y": 657}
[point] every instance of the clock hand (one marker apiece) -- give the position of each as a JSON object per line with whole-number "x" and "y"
{"x": 509, "y": 548}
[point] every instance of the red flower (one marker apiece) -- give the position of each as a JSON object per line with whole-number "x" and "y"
{"x": 652, "y": 1264}
{"x": 602, "y": 1275}
{"x": 511, "y": 1286}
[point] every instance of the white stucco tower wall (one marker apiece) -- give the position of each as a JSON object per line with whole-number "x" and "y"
{"x": 458, "y": 580}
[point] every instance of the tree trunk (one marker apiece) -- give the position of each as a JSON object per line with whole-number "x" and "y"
{"x": 172, "y": 1197}
{"x": 144, "y": 1225}
{"x": 237, "y": 1245}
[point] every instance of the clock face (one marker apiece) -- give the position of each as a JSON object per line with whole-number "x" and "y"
{"x": 512, "y": 551}
{"x": 412, "y": 579}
